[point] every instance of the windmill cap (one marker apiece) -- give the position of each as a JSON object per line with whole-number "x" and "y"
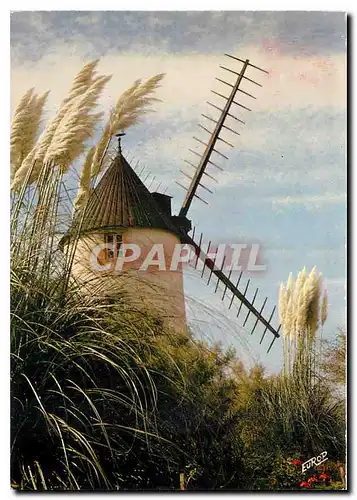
{"x": 121, "y": 200}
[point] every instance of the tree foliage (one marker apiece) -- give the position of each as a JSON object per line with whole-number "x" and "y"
{"x": 335, "y": 359}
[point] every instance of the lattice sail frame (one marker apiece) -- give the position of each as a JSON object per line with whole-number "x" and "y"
{"x": 225, "y": 281}
{"x": 196, "y": 182}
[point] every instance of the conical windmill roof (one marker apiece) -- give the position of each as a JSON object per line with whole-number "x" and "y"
{"x": 122, "y": 200}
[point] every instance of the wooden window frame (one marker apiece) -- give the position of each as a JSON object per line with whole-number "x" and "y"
{"x": 116, "y": 240}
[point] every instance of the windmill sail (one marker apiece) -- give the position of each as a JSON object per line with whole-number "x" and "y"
{"x": 222, "y": 278}
{"x": 210, "y": 150}
{"x": 211, "y": 147}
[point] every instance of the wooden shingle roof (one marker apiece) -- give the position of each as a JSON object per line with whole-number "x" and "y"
{"x": 122, "y": 200}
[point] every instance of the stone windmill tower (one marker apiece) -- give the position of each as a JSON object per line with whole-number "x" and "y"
{"x": 122, "y": 211}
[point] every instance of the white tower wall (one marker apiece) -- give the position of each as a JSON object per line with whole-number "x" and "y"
{"x": 159, "y": 291}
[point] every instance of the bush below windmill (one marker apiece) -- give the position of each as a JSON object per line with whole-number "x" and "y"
{"x": 287, "y": 475}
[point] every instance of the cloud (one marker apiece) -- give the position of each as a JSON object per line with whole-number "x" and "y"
{"x": 311, "y": 33}
{"x": 293, "y": 83}
{"x": 274, "y": 156}
{"x": 314, "y": 201}
{"x": 337, "y": 283}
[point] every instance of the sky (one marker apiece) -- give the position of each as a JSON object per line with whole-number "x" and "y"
{"x": 284, "y": 184}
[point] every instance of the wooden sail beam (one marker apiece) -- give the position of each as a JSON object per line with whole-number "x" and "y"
{"x": 185, "y": 238}
{"x": 211, "y": 145}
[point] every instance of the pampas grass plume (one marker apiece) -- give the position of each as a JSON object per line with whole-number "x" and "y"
{"x": 80, "y": 86}
{"x": 324, "y": 308}
{"x": 82, "y": 81}
{"x": 310, "y": 308}
{"x": 286, "y": 305}
{"x": 282, "y": 304}
{"x": 19, "y": 117}
{"x": 23, "y": 152}
{"x": 63, "y": 139}
{"x": 21, "y": 173}
{"x": 299, "y": 303}
{"x": 24, "y": 127}
{"x": 84, "y": 182}
{"x": 33, "y": 123}
{"x": 101, "y": 148}
{"x": 132, "y": 105}
{"x": 76, "y": 127}
{"x": 299, "y": 299}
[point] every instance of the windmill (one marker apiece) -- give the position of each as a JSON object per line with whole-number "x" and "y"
{"x": 121, "y": 208}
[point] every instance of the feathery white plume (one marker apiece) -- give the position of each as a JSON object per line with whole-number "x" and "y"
{"x": 282, "y": 303}
{"x": 18, "y": 124}
{"x": 299, "y": 300}
{"x": 80, "y": 86}
{"x": 324, "y": 307}
{"x": 24, "y": 128}
{"x": 101, "y": 149}
{"x": 82, "y": 81}
{"x": 84, "y": 182}
{"x": 134, "y": 102}
{"x": 21, "y": 173}
{"x": 313, "y": 299}
{"x": 130, "y": 107}
{"x": 33, "y": 123}
{"x": 76, "y": 127}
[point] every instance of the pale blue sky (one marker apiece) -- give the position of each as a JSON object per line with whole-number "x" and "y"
{"x": 285, "y": 182}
